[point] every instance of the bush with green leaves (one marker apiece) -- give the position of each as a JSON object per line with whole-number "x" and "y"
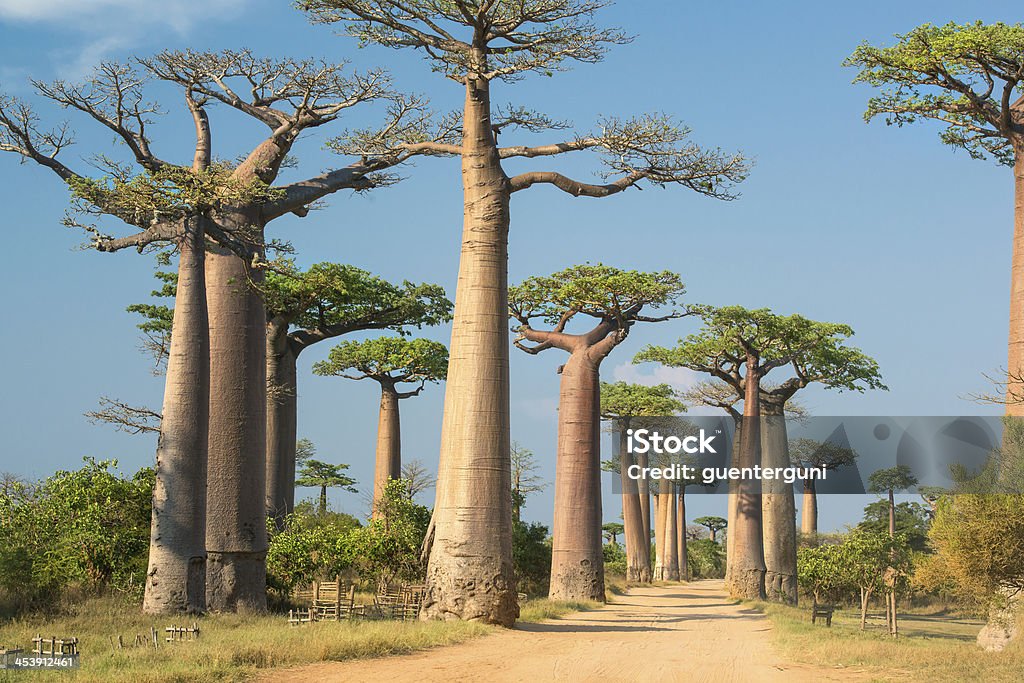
{"x": 389, "y": 548}
{"x": 614, "y": 559}
{"x": 821, "y": 572}
{"x": 706, "y": 559}
{"x": 86, "y": 529}
{"x": 309, "y": 548}
{"x": 531, "y": 557}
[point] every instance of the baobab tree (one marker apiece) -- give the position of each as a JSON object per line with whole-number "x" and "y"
{"x": 390, "y": 362}
{"x": 739, "y": 347}
{"x": 970, "y": 79}
{"x": 713, "y": 525}
{"x": 223, "y": 209}
{"x": 323, "y": 475}
{"x": 304, "y": 308}
{"x": 524, "y": 478}
{"x": 823, "y": 455}
{"x": 616, "y": 300}
{"x": 621, "y": 403}
{"x": 474, "y": 44}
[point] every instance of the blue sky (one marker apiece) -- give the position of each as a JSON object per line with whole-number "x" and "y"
{"x": 884, "y": 229}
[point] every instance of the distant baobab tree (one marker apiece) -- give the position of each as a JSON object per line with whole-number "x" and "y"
{"x": 614, "y": 301}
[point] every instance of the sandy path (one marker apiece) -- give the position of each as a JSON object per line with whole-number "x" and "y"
{"x": 689, "y": 632}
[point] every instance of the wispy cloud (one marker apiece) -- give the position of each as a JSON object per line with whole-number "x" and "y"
{"x": 680, "y": 379}
{"x": 106, "y": 26}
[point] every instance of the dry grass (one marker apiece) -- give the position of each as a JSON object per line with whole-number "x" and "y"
{"x": 932, "y": 648}
{"x": 231, "y": 647}
{"x": 543, "y": 608}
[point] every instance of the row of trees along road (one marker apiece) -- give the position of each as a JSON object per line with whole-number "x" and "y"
{"x": 209, "y": 551}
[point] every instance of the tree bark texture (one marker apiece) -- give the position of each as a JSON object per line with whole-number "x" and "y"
{"x": 809, "y": 509}
{"x": 236, "y": 538}
{"x": 671, "y": 559}
{"x": 645, "y": 508}
{"x": 282, "y": 418}
{"x": 1015, "y": 361}
{"x": 684, "y": 560}
{"x": 638, "y": 551}
{"x": 778, "y": 510}
{"x": 176, "y": 577}
{"x": 577, "y": 558}
{"x": 747, "y": 579}
{"x": 389, "y": 445}
{"x": 469, "y": 570}
{"x": 730, "y": 536}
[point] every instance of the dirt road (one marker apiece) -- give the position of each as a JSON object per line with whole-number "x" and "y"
{"x": 689, "y": 632}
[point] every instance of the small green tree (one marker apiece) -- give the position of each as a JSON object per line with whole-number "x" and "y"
{"x": 612, "y": 531}
{"x": 713, "y": 524}
{"x": 322, "y": 475}
{"x": 888, "y": 482}
{"x": 912, "y": 521}
{"x": 821, "y": 571}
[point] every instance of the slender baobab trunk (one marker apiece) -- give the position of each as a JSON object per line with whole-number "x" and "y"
{"x": 282, "y": 409}
{"x": 809, "y": 509}
{"x": 778, "y": 509}
{"x": 645, "y": 508}
{"x": 659, "y": 533}
{"x": 1015, "y": 363}
{"x": 671, "y": 558}
{"x": 389, "y": 445}
{"x": 176, "y": 579}
{"x": 577, "y": 559}
{"x": 748, "y": 569}
{"x": 730, "y": 536}
{"x": 469, "y": 571}
{"x": 684, "y": 559}
{"x": 236, "y": 538}
{"x": 638, "y": 550}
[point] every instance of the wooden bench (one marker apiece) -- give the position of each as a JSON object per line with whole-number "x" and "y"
{"x": 822, "y": 612}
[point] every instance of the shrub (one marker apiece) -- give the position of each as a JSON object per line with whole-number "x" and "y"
{"x": 706, "y": 559}
{"x": 531, "y": 557}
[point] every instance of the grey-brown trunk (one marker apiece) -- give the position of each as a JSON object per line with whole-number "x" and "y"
{"x": 236, "y": 538}
{"x": 778, "y": 510}
{"x": 176, "y": 577}
{"x": 282, "y": 416}
{"x": 577, "y": 558}
{"x": 389, "y": 446}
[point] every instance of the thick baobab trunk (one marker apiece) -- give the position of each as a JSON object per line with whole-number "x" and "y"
{"x": 809, "y": 509}
{"x": 748, "y": 569}
{"x": 577, "y": 559}
{"x": 236, "y": 534}
{"x": 778, "y": 510}
{"x": 176, "y": 578}
{"x": 684, "y": 559}
{"x": 282, "y": 410}
{"x": 389, "y": 445}
{"x": 730, "y": 537}
{"x": 1015, "y": 361}
{"x": 469, "y": 570}
{"x": 638, "y": 551}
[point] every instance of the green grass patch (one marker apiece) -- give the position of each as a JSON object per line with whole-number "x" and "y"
{"x": 933, "y": 648}
{"x": 230, "y": 647}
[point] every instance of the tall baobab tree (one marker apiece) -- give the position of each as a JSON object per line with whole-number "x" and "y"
{"x": 888, "y": 482}
{"x": 615, "y": 300}
{"x": 390, "y": 362}
{"x": 970, "y": 79}
{"x": 621, "y": 403}
{"x": 475, "y": 44}
{"x": 223, "y": 209}
{"x": 739, "y": 347}
{"x": 307, "y": 307}
{"x": 818, "y": 454}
